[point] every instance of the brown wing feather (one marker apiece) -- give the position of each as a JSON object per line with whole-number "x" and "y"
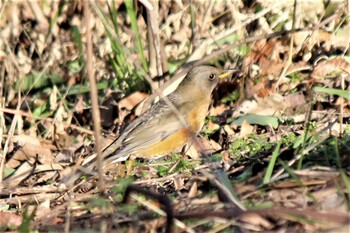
{"x": 157, "y": 123}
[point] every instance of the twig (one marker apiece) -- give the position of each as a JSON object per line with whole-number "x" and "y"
{"x": 163, "y": 200}
{"x": 9, "y": 136}
{"x": 94, "y": 95}
{"x": 50, "y": 119}
{"x": 157, "y": 63}
{"x": 39, "y": 15}
{"x": 290, "y": 52}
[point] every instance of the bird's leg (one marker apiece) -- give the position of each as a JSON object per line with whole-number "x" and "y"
{"x": 130, "y": 165}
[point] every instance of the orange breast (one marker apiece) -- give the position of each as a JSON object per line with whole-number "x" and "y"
{"x": 168, "y": 145}
{"x": 195, "y": 119}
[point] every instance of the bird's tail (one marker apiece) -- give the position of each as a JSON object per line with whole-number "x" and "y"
{"x": 71, "y": 174}
{"x": 89, "y": 167}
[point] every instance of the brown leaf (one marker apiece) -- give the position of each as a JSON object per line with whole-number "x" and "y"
{"x": 132, "y": 100}
{"x": 295, "y": 99}
{"x": 67, "y": 154}
{"x": 193, "y": 190}
{"x": 260, "y": 88}
{"x": 310, "y": 39}
{"x": 228, "y": 129}
{"x": 340, "y": 39}
{"x": 205, "y": 146}
{"x": 23, "y": 139}
{"x": 8, "y": 220}
{"x": 323, "y": 68}
{"x": 218, "y": 110}
{"x": 192, "y": 152}
{"x": 272, "y": 105}
{"x": 31, "y": 149}
{"x": 246, "y": 129}
{"x": 256, "y": 220}
{"x": 212, "y": 126}
{"x": 43, "y": 209}
{"x": 79, "y": 106}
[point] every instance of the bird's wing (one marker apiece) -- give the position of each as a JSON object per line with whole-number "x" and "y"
{"x": 154, "y": 130}
{"x": 153, "y": 126}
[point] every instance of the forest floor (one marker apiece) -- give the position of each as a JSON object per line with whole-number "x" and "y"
{"x": 273, "y": 155}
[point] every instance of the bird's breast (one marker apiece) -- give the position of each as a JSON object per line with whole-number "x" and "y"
{"x": 166, "y": 146}
{"x": 196, "y": 117}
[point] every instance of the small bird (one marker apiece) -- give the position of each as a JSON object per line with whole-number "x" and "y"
{"x": 166, "y": 127}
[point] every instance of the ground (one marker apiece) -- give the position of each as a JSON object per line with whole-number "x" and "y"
{"x": 272, "y": 156}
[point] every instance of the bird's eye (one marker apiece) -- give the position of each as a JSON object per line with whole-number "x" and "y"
{"x": 212, "y": 76}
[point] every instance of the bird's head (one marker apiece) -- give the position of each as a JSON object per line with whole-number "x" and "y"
{"x": 204, "y": 79}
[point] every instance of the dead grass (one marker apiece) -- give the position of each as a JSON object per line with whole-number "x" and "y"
{"x": 276, "y": 138}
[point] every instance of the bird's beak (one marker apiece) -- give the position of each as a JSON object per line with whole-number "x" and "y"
{"x": 227, "y": 72}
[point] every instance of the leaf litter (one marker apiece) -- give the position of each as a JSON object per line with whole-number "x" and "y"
{"x": 306, "y": 110}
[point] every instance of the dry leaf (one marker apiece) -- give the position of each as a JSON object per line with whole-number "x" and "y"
{"x": 193, "y": 190}
{"x": 23, "y": 139}
{"x": 272, "y": 105}
{"x": 192, "y": 152}
{"x": 79, "y": 106}
{"x": 213, "y": 126}
{"x": 205, "y": 146}
{"x": 179, "y": 183}
{"x": 43, "y": 209}
{"x": 31, "y": 152}
{"x": 256, "y": 220}
{"x": 9, "y": 220}
{"x": 229, "y": 131}
{"x": 218, "y": 110}
{"x": 246, "y": 129}
{"x": 22, "y": 172}
{"x": 337, "y": 65}
{"x": 132, "y": 100}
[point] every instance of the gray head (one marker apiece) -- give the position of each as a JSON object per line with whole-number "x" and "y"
{"x": 203, "y": 77}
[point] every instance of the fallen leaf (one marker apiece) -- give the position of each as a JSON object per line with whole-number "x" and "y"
{"x": 205, "y": 146}
{"x": 43, "y": 209}
{"x": 272, "y": 105}
{"x": 9, "y": 220}
{"x": 213, "y": 126}
{"x": 256, "y": 220}
{"x": 192, "y": 152}
{"x": 326, "y": 67}
{"x": 132, "y": 100}
{"x": 218, "y": 110}
{"x": 257, "y": 120}
{"x": 193, "y": 190}
{"x": 32, "y": 152}
{"x": 228, "y": 129}
{"x": 246, "y": 129}
{"x": 79, "y": 106}
{"x": 23, "y": 139}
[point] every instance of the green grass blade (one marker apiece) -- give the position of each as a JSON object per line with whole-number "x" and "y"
{"x": 333, "y": 91}
{"x": 257, "y": 120}
{"x": 132, "y": 14}
{"x": 226, "y": 183}
{"x": 347, "y": 187}
{"x": 272, "y": 163}
{"x": 306, "y": 136}
{"x": 77, "y": 39}
{"x": 113, "y": 16}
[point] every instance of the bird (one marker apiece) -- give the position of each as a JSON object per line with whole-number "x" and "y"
{"x": 169, "y": 124}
